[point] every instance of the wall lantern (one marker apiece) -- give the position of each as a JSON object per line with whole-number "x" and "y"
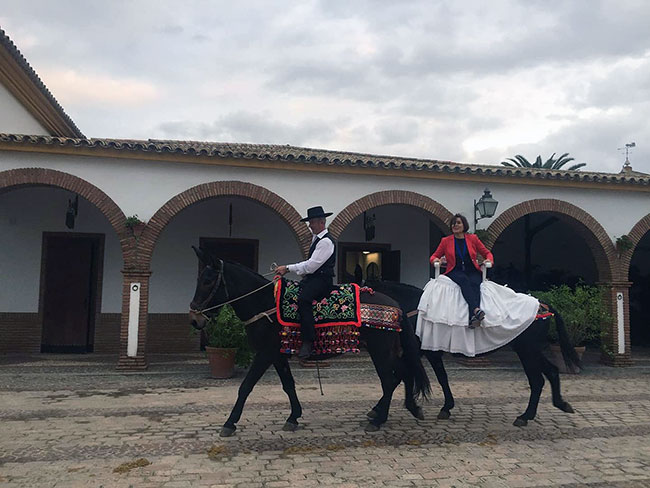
{"x": 72, "y": 212}
{"x": 485, "y": 207}
{"x": 369, "y": 226}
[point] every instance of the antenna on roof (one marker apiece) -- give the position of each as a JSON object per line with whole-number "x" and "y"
{"x": 627, "y": 148}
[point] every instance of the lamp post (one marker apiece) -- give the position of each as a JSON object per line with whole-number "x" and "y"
{"x": 486, "y": 207}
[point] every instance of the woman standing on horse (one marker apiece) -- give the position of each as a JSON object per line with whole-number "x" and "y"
{"x": 460, "y": 250}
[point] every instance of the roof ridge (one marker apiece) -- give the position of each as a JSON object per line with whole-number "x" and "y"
{"x": 318, "y": 156}
{"x": 15, "y": 53}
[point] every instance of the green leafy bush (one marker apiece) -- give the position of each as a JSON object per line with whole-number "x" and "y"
{"x": 582, "y": 309}
{"x": 227, "y": 331}
{"x": 132, "y": 221}
{"x": 482, "y": 234}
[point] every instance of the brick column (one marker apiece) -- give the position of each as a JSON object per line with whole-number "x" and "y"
{"x": 616, "y": 340}
{"x": 133, "y": 326}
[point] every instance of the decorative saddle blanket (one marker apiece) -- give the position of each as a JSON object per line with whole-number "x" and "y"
{"x": 340, "y": 308}
{"x": 337, "y": 328}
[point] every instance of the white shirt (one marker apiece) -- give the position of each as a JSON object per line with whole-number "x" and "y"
{"x": 324, "y": 249}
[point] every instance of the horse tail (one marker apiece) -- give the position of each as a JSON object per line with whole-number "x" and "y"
{"x": 568, "y": 352}
{"x": 411, "y": 355}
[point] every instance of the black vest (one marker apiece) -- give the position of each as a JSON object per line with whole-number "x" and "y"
{"x": 327, "y": 268}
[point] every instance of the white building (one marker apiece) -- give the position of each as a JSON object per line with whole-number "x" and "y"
{"x": 101, "y": 287}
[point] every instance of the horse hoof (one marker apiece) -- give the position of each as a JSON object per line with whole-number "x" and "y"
{"x": 227, "y": 431}
{"x": 520, "y": 422}
{"x": 372, "y": 427}
{"x": 290, "y": 426}
{"x": 444, "y": 414}
{"x": 372, "y": 414}
{"x": 566, "y": 407}
{"x": 418, "y": 413}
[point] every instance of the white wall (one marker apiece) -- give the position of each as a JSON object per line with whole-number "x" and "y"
{"x": 26, "y": 213}
{"x": 14, "y": 118}
{"x": 406, "y": 229}
{"x": 142, "y": 187}
{"x": 174, "y": 264}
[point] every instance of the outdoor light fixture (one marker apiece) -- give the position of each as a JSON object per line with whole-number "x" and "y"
{"x": 72, "y": 212}
{"x": 486, "y": 207}
{"x": 365, "y": 252}
{"x": 369, "y": 226}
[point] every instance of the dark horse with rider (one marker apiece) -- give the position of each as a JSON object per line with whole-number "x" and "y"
{"x": 393, "y": 346}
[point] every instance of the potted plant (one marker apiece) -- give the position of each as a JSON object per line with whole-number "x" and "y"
{"x": 623, "y": 243}
{"x": 482, "y": 234}
{"x": 584, "y": 315}
{"x": 135, "y": 225}
{"x": 227, "y": 343}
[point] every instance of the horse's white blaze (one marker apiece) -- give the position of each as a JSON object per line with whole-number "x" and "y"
{"x": 134, "y": 320}
{"x": 620, "y": 323}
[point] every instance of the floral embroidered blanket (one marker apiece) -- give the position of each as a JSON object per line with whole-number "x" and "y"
{"x": 340, "y": 308}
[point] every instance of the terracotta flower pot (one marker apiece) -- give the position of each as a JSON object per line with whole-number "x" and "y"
{"x": 558, "y": 360}
{"x": 222, "y": 361}
{"x": 137, "y": 229}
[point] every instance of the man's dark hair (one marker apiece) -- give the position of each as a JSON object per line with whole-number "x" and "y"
{"x": 462, "y": 219}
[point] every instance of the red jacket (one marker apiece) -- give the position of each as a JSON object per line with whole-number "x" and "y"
{"x": 447, "y": 249}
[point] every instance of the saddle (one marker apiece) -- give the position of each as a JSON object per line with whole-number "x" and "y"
{"x": 340, "y": 308}
{"x": 337, "y": 318}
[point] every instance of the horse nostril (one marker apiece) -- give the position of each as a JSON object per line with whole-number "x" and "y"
{"x": 194, "y": 323}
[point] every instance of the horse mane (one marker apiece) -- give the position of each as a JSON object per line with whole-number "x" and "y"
{"x": 245, "y": 269}
{"x": 395, "y": 284}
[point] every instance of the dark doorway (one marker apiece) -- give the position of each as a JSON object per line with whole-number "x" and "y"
{"x": 364, "y": 261}
{"x": 70, "y": 291}
{"x": 242, "y": 251}
{"x": 640, "y": 294}
{"x": 541, "y": 250}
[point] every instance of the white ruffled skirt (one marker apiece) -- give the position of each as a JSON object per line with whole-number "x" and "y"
{"x": 443, "y": 317}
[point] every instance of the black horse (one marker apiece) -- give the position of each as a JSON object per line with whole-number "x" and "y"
{"x": 395, "y": 355}
{"x": 528, "y": 345}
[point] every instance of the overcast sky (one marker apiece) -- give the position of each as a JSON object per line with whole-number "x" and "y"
{"x": 467, "y": 81}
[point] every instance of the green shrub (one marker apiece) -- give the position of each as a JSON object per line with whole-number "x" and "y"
{"x": 582, "y": 309}
{"x": 227, "y": 331}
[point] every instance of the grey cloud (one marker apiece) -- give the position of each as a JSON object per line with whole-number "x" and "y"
{"x": 248, "y": 127}
{"x": 397, "y": 131}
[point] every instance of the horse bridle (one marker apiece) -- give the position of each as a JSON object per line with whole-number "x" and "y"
{"x": 222, "y": 279}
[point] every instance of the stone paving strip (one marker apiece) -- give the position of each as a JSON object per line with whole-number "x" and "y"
{"x": 142, "y": 435}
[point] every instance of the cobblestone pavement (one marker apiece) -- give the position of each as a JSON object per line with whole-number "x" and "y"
{"x": 73, "y": 421}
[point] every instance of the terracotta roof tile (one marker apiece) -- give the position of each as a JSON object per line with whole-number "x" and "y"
{"x": 10, "y": 47}
{"x": 303, "y": 155}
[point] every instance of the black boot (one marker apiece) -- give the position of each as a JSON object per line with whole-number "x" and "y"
{"x": 305, "y": 349}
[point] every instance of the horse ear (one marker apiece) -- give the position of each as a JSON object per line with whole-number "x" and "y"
{"x": 200, "y": 254}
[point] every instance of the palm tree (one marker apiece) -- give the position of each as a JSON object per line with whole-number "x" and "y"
{"x": 551, "y": 163}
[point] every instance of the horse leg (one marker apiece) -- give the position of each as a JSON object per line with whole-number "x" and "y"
{"x": 383, "y": 358}
{"x": 261, "y": 363}
{"x": 530, "y": 360}
{"x": 289, "y": 386}
{"x": 435, "y": 359}
{"x": 553, "y": 375}
{"x": 409, "y": 399}
{"x": 409, "y": 388}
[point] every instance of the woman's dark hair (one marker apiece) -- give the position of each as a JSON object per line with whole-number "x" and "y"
{"x": 462, "y": 219}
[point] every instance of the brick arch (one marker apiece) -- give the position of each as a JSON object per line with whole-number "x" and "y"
{"x": 26, "y": 177}
{"x": 216, "y": 189}
{"x": 390, "y": 197}
{"x": 636, "y": 234}
{"x": 586, "y": 226}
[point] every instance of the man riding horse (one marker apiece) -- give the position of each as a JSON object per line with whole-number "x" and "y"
{"x": 317, "y": 272}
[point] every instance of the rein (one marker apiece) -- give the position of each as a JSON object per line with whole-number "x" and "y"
{"x": 221, "y": 279}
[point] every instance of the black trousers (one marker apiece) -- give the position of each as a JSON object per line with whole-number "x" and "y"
{"x": 470, "y": 286}
{"x": 312, "y": 287}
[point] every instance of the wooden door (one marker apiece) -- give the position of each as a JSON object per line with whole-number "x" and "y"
{"x": 68, "y": 297}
